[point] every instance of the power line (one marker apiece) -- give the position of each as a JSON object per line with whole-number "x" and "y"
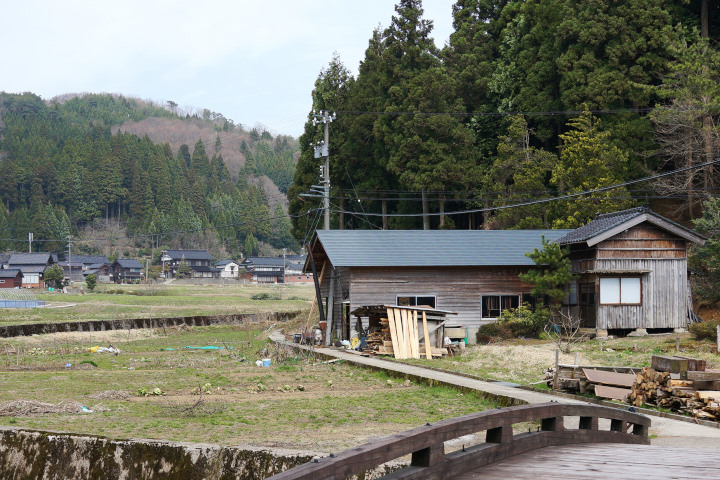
{"x": 530, "y": 113}
{"x": 545, "y": 200}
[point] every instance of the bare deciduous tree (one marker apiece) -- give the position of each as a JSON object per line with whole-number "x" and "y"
{"x": 564, "y": 330}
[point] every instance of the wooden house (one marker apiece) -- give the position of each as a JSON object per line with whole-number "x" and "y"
{"x": 471, "y": 272}
{"x": 265, "y": 269}
{"x": 199, "y": 262}
{"x": 11, "y": 278}
{"x": 102, "y": 271}
{"x": 127, "y": 270}
{"x": 632, "y": 271}
{"x": 32, "y": 266}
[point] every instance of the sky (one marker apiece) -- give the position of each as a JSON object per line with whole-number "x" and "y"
{"x": 254, "y": 62}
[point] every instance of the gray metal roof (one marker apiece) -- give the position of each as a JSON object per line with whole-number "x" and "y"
{"x": 9, "y": 273}
{"x": 30, "y": 259}
{"x": 418, "y": 248}
{"x": 607, "y": 222}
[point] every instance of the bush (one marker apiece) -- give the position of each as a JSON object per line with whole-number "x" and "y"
{"x": 91, "y": 281}
{"x": 492, "y": 332}
{"x": 524, "y": 322}
{"x": 705, "y": 330}
{"x": 265, "y": 296}
{"x": 514, "y": 323}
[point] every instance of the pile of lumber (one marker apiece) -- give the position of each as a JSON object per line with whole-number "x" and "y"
{"x": 400, "y": 336}
{"x": 572, "y": 378}
{"x": 679, "y": 384}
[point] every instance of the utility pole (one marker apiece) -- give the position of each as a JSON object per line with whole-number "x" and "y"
{"x": 322, "y": 149}
{"x": 284, "y": 263}
{"x": 69, "y": 239}
{"x": 30, "y": 239}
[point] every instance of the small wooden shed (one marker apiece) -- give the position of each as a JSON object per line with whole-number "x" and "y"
{"x": 471, "y": 272}
{"x": 632, "y": 272}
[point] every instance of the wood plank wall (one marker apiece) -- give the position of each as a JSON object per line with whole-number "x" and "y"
{"x": 664, "y": 290}
{"x": 455, "y": 288}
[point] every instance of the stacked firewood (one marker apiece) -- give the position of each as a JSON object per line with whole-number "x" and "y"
{"x": 659, "y": 389}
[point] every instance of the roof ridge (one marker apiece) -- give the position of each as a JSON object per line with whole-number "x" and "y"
{"x": 642, "y": 209}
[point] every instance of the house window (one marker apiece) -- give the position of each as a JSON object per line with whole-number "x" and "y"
{"x": 571, "y": 293}
{"x": 494, "y": 305}
{"x": 620, "y": 291}
{"x": 2, "y": 281}
{"x": 415, "y": 301}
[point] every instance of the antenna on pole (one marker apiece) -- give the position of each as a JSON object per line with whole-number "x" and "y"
{"x": 322, "y": 149}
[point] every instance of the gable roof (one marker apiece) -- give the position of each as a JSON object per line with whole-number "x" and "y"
{"x": 128, "y": 263}
{"x": 4, "y": 257}
{"x": 425, "y": 248}
{"x": 39, "y": 258}
{"x": 190, "y": 254}
{"x": 90, "y": 259}
{"x": 266, "y": 261}
{"x": 10, "y": 273}
{"x": 222, "y": 263}
{"x": 610, "y": 224}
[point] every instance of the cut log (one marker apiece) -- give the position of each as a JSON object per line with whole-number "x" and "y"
{"x": 694, "y": 364}
{"x": 669, "y": 364}
{"x": 712, "y": 394}
{"x": 707, "y": 375}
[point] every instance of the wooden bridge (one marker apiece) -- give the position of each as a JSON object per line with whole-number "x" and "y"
{"x": 557, "y": 433}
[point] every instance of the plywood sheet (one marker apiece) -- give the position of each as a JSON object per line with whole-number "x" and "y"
{"x": 609, "y": 378}
{"x": 612, "y": 392}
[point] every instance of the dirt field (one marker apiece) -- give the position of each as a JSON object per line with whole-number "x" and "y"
{"x": 523, "y": 361}
{"x": 158, "y": 388}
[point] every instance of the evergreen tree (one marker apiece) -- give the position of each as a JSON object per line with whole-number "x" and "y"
{"x": 588, "y": 161}
{"x": 518, "y": 174}
{"x": 199, "y": 162}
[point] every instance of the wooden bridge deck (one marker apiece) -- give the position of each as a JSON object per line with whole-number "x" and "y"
{"x": 599, "y": 461}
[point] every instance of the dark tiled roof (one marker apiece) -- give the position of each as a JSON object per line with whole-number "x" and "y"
{"x": 4, "y": 257}
{"x": 190, "y": 255}
{"x": 418, "y": 248}
{"x": 204, "y": 269}
{"x": 90, "y": 259}
{"x": 608, "y": 221}
{"x": 9, "y": 273}
{"x": 128, "y": 263}
{"x": 264, "y": 261}
{"x": 30, "y": 259}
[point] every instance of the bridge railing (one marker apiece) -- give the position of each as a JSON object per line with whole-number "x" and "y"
{"x": 426, "y": 444}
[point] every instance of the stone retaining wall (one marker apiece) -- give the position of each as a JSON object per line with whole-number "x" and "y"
{"x": 159, "y": 322}
{"x": 39, "y": 455}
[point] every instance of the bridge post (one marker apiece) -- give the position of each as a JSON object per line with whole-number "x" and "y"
{"x": 427, "y": 457}
{"x": 500, "y": 434}
{"x": 588, "y": 423}
{"x": 617, "y": 425}
{"x": 552, "y": 424}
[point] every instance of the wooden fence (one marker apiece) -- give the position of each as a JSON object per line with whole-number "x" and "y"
{"x": 426, "y": 444}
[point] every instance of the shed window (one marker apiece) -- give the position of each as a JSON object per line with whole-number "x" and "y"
{"x": 2, "y": 281}
{"x": 415, "y": 301}
{"x": 620, "y": 291}
{"x": 494, "y": 305}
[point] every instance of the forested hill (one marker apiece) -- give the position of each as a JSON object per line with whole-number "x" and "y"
{"x": 196, "y": 180}
{"x": 529, "y": 100}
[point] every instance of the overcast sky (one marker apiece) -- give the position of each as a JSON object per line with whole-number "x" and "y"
{"x": 252, "y": 61}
